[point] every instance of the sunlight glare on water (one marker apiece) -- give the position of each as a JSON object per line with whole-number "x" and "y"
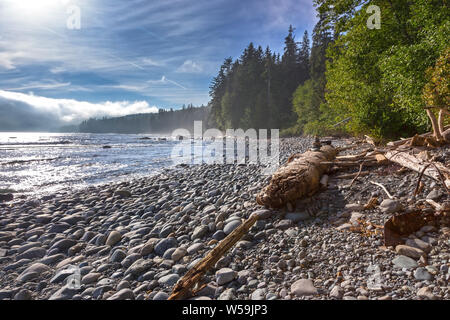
{"x": 44, "y": 163}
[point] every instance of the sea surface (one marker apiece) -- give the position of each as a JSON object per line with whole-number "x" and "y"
{"x": 45, "y": 163}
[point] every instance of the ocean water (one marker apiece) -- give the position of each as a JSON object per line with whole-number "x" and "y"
{"x": 45, "y": 163}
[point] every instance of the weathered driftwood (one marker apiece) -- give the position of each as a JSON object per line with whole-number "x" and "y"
{"x": 299, "y": 178}
{"x": 349, "y": 164}
{"x": 416, "y": 137}
{"x": 185, "y": 287}
{"x": 352, "y": 175}
{"x": 433, "y": 170}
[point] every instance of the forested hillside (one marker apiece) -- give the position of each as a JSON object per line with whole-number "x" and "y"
{"x": 376, "y": 77}
{"x": 162, "y": 122}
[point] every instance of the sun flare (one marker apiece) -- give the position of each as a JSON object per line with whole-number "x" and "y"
{"x": 33, "y": 8}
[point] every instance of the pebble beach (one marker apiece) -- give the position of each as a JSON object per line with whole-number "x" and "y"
{"x": 136, "y": 239}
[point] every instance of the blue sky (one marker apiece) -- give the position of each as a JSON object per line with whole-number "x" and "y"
{"x": 132, "y": 55}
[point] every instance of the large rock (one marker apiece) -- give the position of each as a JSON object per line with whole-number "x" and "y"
{"x": 65, "y": 293}
{"x": 408, "y": 251}
{"x": 263, "y": 214}
{"x": 231, "y": 226}
{"x": 178, "y": 254}
{"x": 139, "y": 267}
{"x": 337, "y": 292}
{"x": 227, "y": 295}
{"x": 199, "y": 232}
{"x": 63, "y": 245}
{"x": 225, "y": 275}
{"x": 160, "y": 296}
{"x": 169, "y": 280}
{"x": 52, "y": 259}
{"x": 303, "y": 287}
{"x": 72, "y": 219}
{"x": 422, "y": 274}
{"x": 23, "y": 294}
{"x": 149, "y": 246}
{"x": 32, "y": 272}
{"x": 43, "y": 218}
{"x": 124, "y": 294}
{"x": 426, "y": 293}
{"x": 33, "y": 253}
{"x": 123, "y": 193}
{"x": 113, "y": 238}
{"x": 258, "y": 294}
{"x": 118, "y": 256}
{"x": 209, "y": 209}
{"x": 59, "y": 227}
{"x": 164, "y": 244}
{"x": 91, "y": 278}
{"x": 419, "y": 244}
{"x": 390, "y": 206}
{"x": 404, "y": 262}
{"x": 195, "y": 248}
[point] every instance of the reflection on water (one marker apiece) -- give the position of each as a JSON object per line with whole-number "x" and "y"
{"x": 47, "y": 162}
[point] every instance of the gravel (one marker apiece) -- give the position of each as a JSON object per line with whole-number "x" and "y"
{"x": 136, "y": 239}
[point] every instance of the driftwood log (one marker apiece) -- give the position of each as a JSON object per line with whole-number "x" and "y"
{"x": 299, "y": 178}
{"x": 434, "y": 170}
{"x": 185, "y": 287}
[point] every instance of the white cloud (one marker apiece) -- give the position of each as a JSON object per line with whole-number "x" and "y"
{"x": 71, "y": 111}
{"x": 7, "y": 59}
{"x": 190, "y": 66}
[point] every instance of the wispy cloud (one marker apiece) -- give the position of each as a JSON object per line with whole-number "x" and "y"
{"x": 42, "y": 86}
{"x": 190, "y": 66}
{"x": 180, "y": 44}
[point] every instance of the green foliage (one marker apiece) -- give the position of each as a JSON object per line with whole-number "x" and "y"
{"x": 309, "y": 97}
{"x": 437, "y": 90}
{"x": 377, "y": 76}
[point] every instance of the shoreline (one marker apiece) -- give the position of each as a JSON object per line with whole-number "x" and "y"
{"x": 134, "y": 240}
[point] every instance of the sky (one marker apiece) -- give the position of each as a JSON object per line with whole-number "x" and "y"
{"x": 88, "y": 58}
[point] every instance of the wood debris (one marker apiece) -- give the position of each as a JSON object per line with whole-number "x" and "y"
{"x": 299, "y": 178}
{"x": 185, "y": 287}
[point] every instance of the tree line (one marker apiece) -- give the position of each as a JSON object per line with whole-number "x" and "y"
{"x": 373, "y": 77}
{"x": 163, "y": 122}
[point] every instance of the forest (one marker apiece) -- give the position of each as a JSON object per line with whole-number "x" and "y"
{"x": 379, "y": 80}
{"x": 164, "y": 122}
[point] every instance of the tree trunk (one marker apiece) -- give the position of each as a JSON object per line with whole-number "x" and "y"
{"x": 442, "y": 114}
{"x": 300, "y": 177}
{"x": 435, "y": 124}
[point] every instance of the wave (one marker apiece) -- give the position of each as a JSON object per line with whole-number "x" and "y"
{"x": 53, "y": 143}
